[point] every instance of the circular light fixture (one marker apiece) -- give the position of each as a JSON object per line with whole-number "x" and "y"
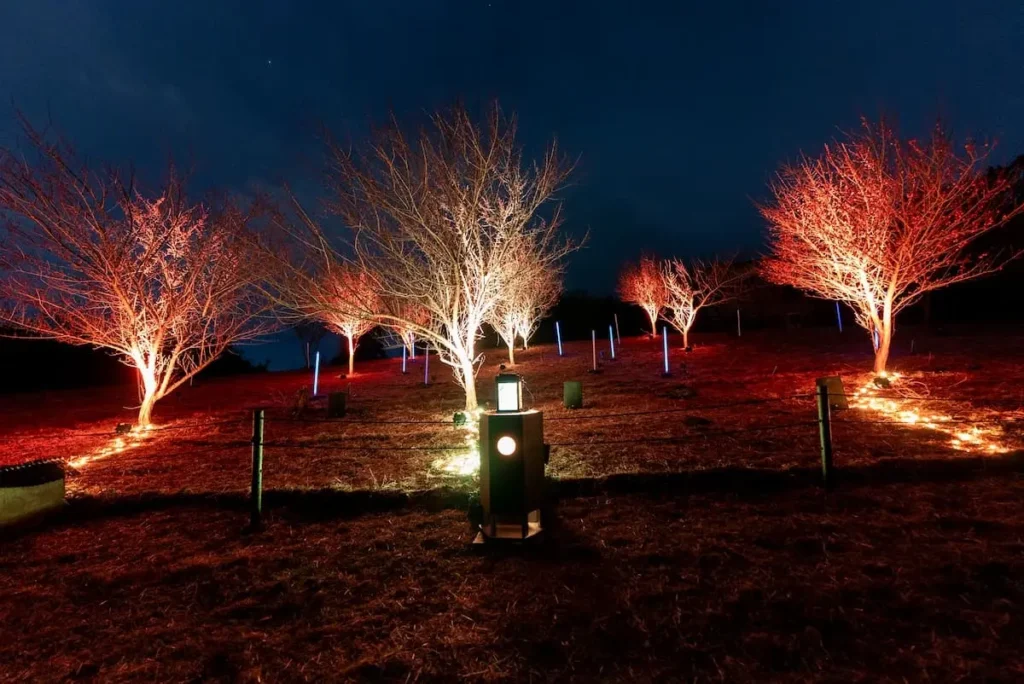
{"x": 507, "y": 446}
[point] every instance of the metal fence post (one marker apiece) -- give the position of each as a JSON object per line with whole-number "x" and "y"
{"x": 825, "y": 432}
{"x": 256, "y": 492}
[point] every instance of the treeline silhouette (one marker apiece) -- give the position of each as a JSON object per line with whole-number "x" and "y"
{"x": 29, "y": 365}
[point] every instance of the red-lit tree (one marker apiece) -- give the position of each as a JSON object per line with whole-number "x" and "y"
{"x": 350, "y": 298}
{"x": 877, "y": 222}
{"x": 86, "y": 259}
{"x": 691, "y": 288}
{"x": 642, "y": 284}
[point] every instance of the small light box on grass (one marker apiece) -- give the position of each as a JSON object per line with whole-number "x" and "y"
{"x": 510, "y": 393}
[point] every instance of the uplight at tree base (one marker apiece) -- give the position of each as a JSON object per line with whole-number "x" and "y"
{"x": 116, "y": 446}
{"x": 909, "y": 411}
{"x": 464, "y": 462}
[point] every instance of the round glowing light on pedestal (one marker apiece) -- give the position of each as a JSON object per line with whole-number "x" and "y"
{"x": 506, "y": 446}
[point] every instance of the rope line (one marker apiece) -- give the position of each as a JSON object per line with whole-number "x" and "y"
{"x": 958, "y": 421}
{"x": 900, "y": 397}
{"x": 362, "y": 421}
{"x": 319, "y": 445}
{"x": 680, "y": 409}
{"x": 696, "y": 437}
{"x": 113, "y": 433}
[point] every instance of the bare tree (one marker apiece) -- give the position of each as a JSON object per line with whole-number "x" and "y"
{"x": 403, "y": 318}
{"x": 86, "y": 259}
{"x": 691, "y": 288}
{"x": 642, "y": 284}
{"x": 877, "y": 222}
{"x": 349, "y": 298}
{"x": 309, "y": 332}
{"x": 531, "y": 291}
{"x": 537, "y": 300}
{"x": 504, "y": 317}
{"x": 437, "y": 222}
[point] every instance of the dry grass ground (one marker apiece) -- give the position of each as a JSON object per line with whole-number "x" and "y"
{"x": 690, "y": 544}
{"x": 634, "y": 421}
{"x": 897, "y": 582}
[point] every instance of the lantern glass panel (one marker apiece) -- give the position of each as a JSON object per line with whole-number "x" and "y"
{"x": 508, "y": 395}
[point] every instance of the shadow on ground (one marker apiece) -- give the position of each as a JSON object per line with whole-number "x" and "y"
{"x": 318, "y": 504}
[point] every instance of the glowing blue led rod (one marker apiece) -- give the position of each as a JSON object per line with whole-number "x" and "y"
{"x": 316, "y": 374}
{"x": 664, "y": 345}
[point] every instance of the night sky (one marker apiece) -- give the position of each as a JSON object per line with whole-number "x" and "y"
{"x": 678, "y": 115}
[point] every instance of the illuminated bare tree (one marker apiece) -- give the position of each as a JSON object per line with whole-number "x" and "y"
{"x": 877, "y": 222}
{"x": 437, "y": 222}
{"x": 537, "y": 300}
{"x": 343, "y": 287}
{"x": 689, "y": 289}
{"x": 504, "y": 317}
{"x": 310, "y": 333}
{"x": 642, "y": 284}
{"x": 165, "y": 285}
{"x": 534, "y": 288}
{"x": 404, "y": 318}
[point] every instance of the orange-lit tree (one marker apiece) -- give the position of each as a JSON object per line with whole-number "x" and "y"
{"x": 688, "y": 289}
{"x": 642, "y": 284}
{"x": 86, "y": 259}
{"x": 877, "y": 222}
{"x": 437, "y": 221}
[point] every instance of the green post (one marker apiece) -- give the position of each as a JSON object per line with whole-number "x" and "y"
{"x": 825, "y": 432}
{"x": 256, "y": 492}
{"x": 572, "y": 394}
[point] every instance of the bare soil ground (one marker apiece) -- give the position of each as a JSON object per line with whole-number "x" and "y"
{"x": 691, "y": 541}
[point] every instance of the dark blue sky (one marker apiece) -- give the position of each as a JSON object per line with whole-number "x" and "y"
{"x": 678, "y": 112}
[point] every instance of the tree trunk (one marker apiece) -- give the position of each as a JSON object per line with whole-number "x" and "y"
{"x": 149, "y": 387}
{"x": 511, "y": 353}
{"x": 412, "y": 347}
{"x": 146, "y": 409}
{"x": 884, "y": 340}
{"x": 654, "y": 323}
{"x": 686, "y": 339}
{"x": 466, "y": 370}
{"x": 351, "y": 356}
